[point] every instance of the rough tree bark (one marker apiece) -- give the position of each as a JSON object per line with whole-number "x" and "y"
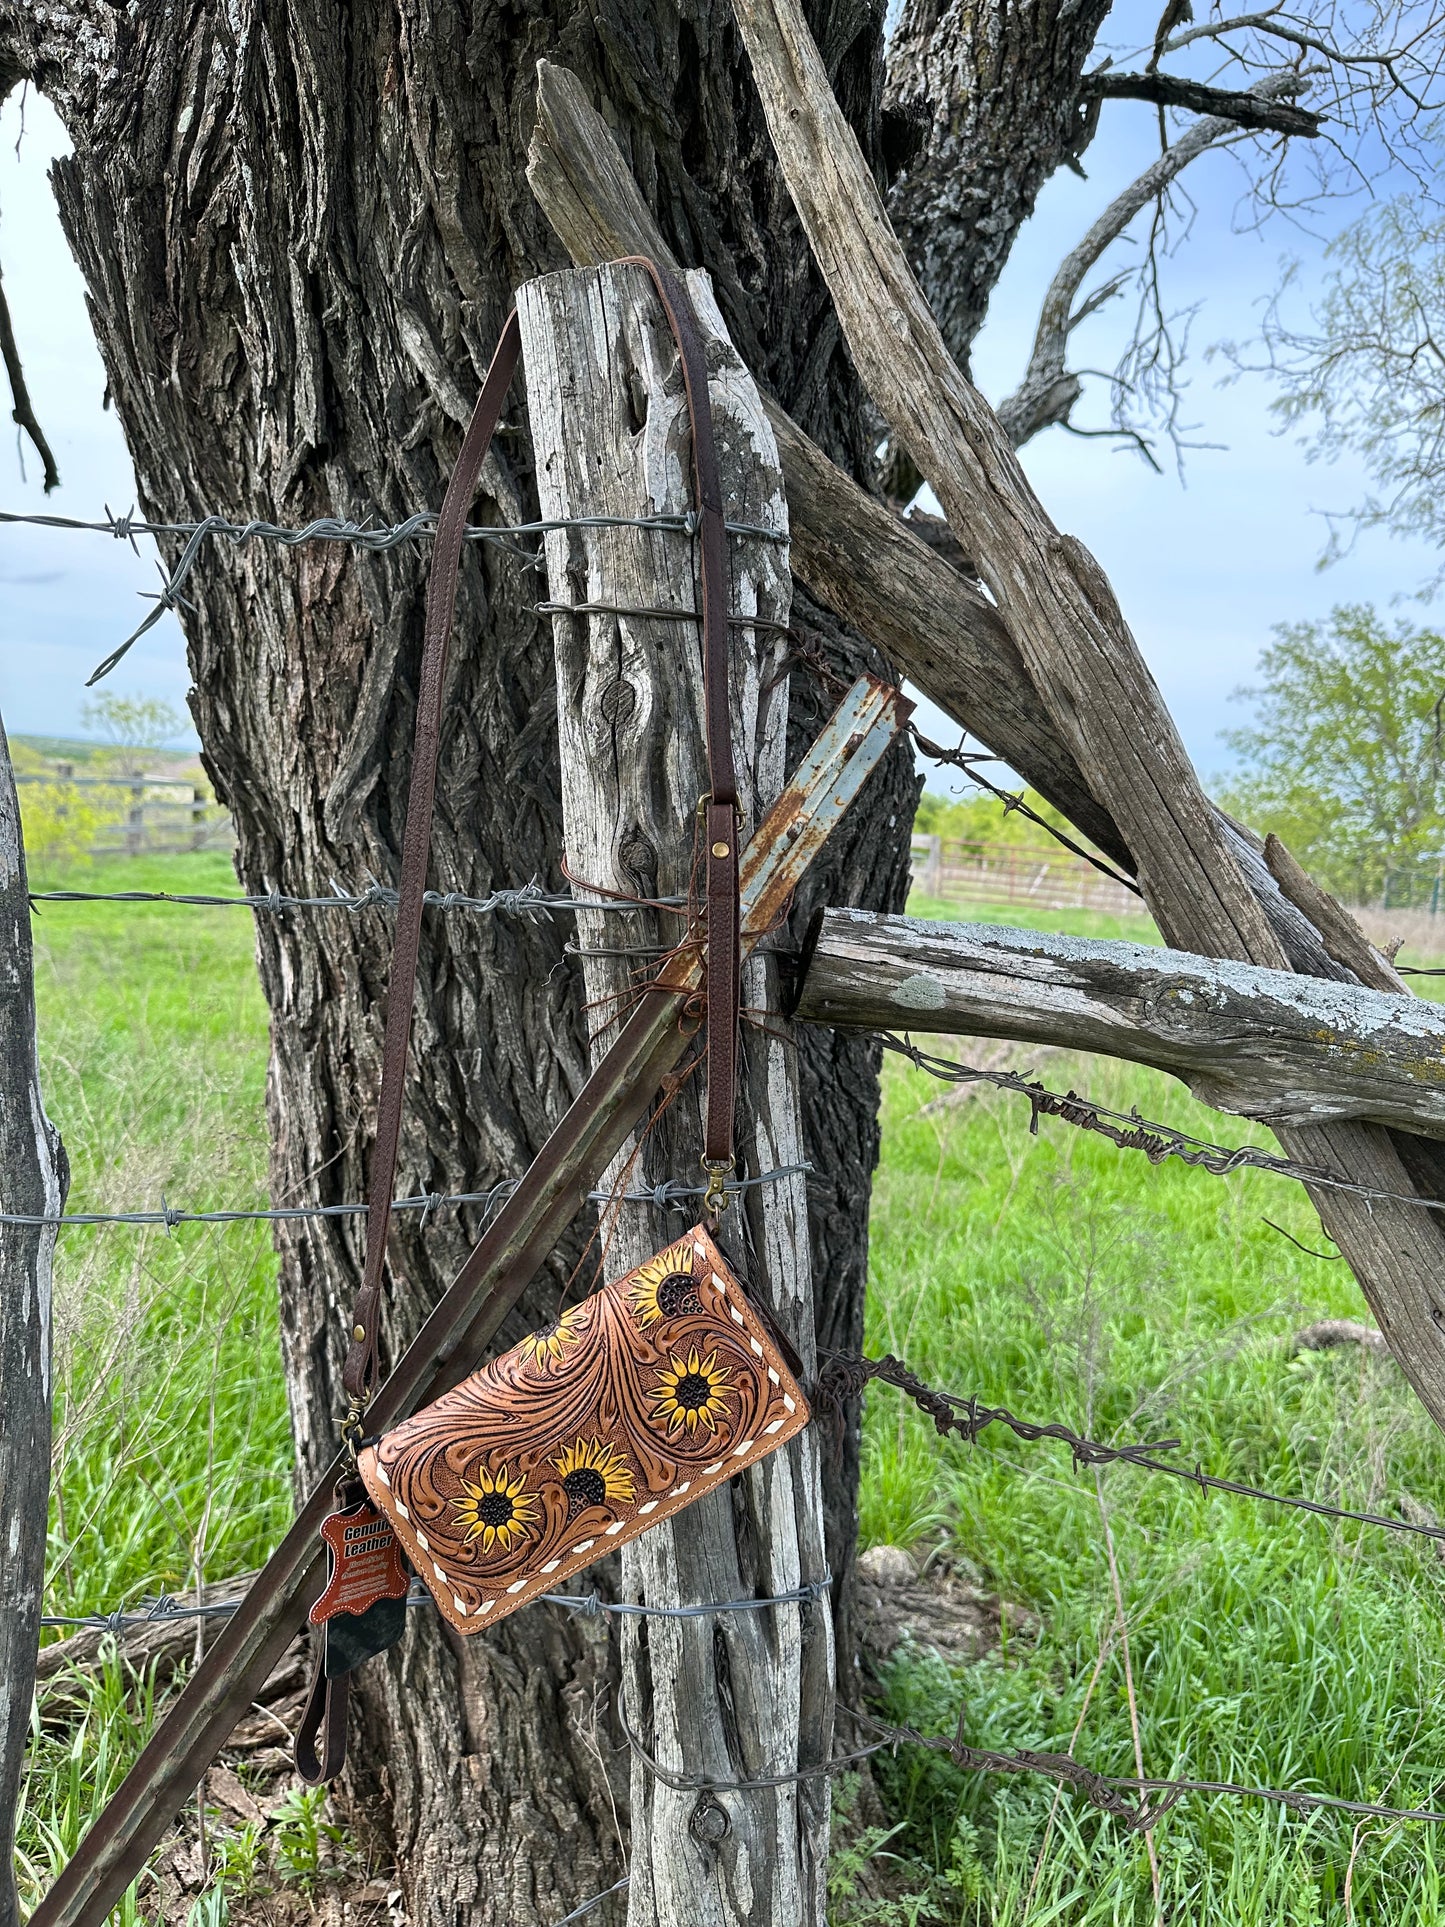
{"x": 300, "y": 230}
{"x": 34, "y": 1177}
{"x": 744, "y": 1694}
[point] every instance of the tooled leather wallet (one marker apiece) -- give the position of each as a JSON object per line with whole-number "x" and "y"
{"x": 639, "y": 1400}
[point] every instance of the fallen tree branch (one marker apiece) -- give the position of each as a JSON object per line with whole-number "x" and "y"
{"x": 1254, "y": 1042}
{"x": 855, "y": 556}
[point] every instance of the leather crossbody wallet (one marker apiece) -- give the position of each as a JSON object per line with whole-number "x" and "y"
{"x": 654, "y": 1389}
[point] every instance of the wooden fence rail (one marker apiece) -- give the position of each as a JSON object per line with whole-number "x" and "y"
{"x": 955, "y": 871}
{"x": 122, "y": 815}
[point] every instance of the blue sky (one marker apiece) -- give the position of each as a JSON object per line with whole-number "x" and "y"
{"x": 1203, "y": 569}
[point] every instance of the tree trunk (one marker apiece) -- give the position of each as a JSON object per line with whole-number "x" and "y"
{"x": 34, "y": 1177}
{"x": 300, "y": 230}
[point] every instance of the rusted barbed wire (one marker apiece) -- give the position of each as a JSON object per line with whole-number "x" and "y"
{"x": 358, "y": 535}
{"x": 525, "y": 899}
{"x": 1014, "y": 804}
{"x": 1107, "y": 1791}
{"x": 1131, "y": 1132}
{"x": 844, "y": 1375}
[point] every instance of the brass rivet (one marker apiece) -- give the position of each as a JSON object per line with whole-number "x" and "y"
{"x": 719, "y": 849}
{"x": 359, "y": 1333}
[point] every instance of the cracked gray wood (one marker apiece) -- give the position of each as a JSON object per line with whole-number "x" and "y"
{"x": 852, "y": 552}
{"x": 751, "y": 1694}
{"x": 1266, "y": 1044}
{"x": 1080, "y": 655}
{"x": 34, "y": 1177}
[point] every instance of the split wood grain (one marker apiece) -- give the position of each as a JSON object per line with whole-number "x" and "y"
{"x": 1258, "y": 1043}
{"x": 611, "y": 436}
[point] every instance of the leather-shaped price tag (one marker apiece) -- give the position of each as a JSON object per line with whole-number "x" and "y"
{"x": 364, "y": 1605}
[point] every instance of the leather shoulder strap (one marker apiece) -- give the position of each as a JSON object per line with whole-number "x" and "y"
{"x": 722, "y": 969}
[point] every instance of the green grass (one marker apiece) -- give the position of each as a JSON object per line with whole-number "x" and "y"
{"x": 1052, "y": 1274}
{"x": 171, "y": 1438}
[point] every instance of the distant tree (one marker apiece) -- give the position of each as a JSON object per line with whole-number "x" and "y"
{"x": 1367, "y": 376}
{"x": 1346, "y": 758}
{"x": 133, "y": 726}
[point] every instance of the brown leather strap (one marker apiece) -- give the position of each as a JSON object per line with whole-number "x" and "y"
{"x": 323, "y": 1719}
{"x": 359, "y": 1373}
{"x": 722, "y": 970}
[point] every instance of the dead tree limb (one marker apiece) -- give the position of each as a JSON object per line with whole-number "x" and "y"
{"x": 34, "y": 1177}
{"x": 850, "y": 550}
{"x": 1266, "y": 1044}
{"x": 1260, "y": 112}
{"x": 609, "y": 429}
{"x": 22, "y": 409}
{"x": 1048, "y": 391}
{"x": 1079, "y": 653}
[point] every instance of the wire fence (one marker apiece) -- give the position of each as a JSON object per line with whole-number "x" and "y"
{"x": 366, "y": 536}
{"x": 1131, "y": 1132}
{"x": 1138, "y": 1803}
{"x": 671, "y": 1194}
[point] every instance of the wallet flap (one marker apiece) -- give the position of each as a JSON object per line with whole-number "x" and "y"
{"x": 653, "y": 1391}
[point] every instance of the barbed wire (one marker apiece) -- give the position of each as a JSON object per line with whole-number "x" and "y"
{"x": 366, "y": 536}
{"x": 671, "y": 1194}
{"x": 844, "y": 1375}
{"x": 1106, "y": 1791}
{"x": 526, "y": 899}
{"x": 590, "y": 1906}
{"x": 1014, "y": 803}
{"x": 590, "y": 1605}
{"x": 1131, "y": 1132}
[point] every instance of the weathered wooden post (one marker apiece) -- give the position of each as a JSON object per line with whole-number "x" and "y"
{"x": 933, "y": 874}
{"x": 750, "y": 1694}
{"x": 33, "y": 1181}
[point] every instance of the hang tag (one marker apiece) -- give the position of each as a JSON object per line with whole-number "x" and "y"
{"x": 365, "y": 1565}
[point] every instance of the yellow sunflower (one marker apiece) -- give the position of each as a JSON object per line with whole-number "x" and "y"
{"x": 693, "y": 1394}
{"x": 497, "y": 1509}
{"x": 664, "y": 1288}
{"x": 594, "y": 1473}
{"x": 552, "y": 1342}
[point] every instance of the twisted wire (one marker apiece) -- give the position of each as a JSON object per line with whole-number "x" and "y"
{"x": 327, "y": 528}
{"x": 671, "y": 1194}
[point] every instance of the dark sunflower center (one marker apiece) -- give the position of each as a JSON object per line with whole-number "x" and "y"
{"x": 495, "y": 1509}
{"x": 693, "y": 1392}
{"x": 584, "y": 1487}
{"x": 676, "y": 1294}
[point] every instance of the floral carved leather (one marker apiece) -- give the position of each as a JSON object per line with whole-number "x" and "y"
{"x": 651, "y": 1392}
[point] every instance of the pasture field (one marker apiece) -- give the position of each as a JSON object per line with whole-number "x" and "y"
{"x": 1051, "y": 1273}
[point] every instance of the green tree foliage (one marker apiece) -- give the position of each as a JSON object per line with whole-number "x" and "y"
{"x": 133, "y": 726}
{"x": 1346, "y": 759}
{"x": 984, "y": 818}
{"x": 1367, "y": 376}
